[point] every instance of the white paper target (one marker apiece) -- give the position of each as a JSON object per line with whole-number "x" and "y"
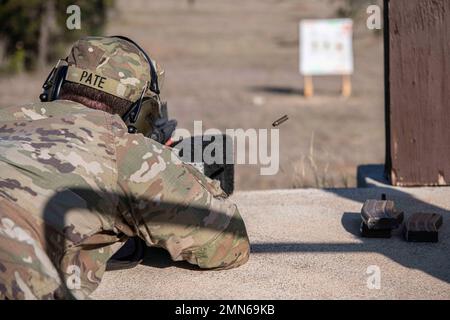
{"x": 326, "y": 47}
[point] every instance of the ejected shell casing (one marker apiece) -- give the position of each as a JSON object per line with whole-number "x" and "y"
{"x": 423, "y": 227}
{"x": 280, "y": 121}
{"x": 381, "y": 214}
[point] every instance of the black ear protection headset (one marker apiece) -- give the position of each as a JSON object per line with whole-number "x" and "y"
{"x": 54, "y": 81}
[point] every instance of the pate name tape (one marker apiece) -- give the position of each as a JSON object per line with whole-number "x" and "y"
{"x": 90, "y": 79}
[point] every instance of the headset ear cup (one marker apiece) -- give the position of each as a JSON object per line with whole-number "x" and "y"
{"x": 45, "y": 95}
{"x": 52, "y": 85}
{"x": 154, "y": 76}
{"x": 129, "y": 116}
{"x": 60, "y": 76}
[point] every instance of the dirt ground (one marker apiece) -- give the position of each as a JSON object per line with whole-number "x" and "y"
{"x": 234, "y": 64}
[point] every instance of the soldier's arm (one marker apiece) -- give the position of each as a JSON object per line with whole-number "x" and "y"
{"x": 171, "y": 205}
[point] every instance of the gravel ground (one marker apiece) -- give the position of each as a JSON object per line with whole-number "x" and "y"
{"x": 305, "y": 245}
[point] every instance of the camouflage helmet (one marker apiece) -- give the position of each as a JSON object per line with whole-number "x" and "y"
{"x": 112, "y": 65}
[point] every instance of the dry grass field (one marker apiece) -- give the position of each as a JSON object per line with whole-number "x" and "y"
{"x": 234, "y": 64}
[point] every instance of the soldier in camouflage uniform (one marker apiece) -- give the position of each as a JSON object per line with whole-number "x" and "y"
{"x": 75, "y": 185}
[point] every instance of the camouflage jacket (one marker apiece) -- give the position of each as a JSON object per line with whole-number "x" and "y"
{"x": 81, "y": 185}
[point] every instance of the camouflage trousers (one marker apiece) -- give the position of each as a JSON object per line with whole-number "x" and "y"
{"x": 32, "y": 266}
{"x": 26, "y": 271}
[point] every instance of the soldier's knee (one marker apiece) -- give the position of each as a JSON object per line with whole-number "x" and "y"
{"x": 230, "y": 249}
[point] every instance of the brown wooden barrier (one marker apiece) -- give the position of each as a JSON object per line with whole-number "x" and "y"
{"x": 417, "y": 44}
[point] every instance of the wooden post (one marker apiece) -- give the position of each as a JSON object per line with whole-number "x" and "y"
{"x": 418, "y": 99}
{"x": 346, "y": 86}
{"x": 308, "y": 87}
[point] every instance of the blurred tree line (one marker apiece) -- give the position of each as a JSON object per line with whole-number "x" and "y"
{"x": 34, "y": 32}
